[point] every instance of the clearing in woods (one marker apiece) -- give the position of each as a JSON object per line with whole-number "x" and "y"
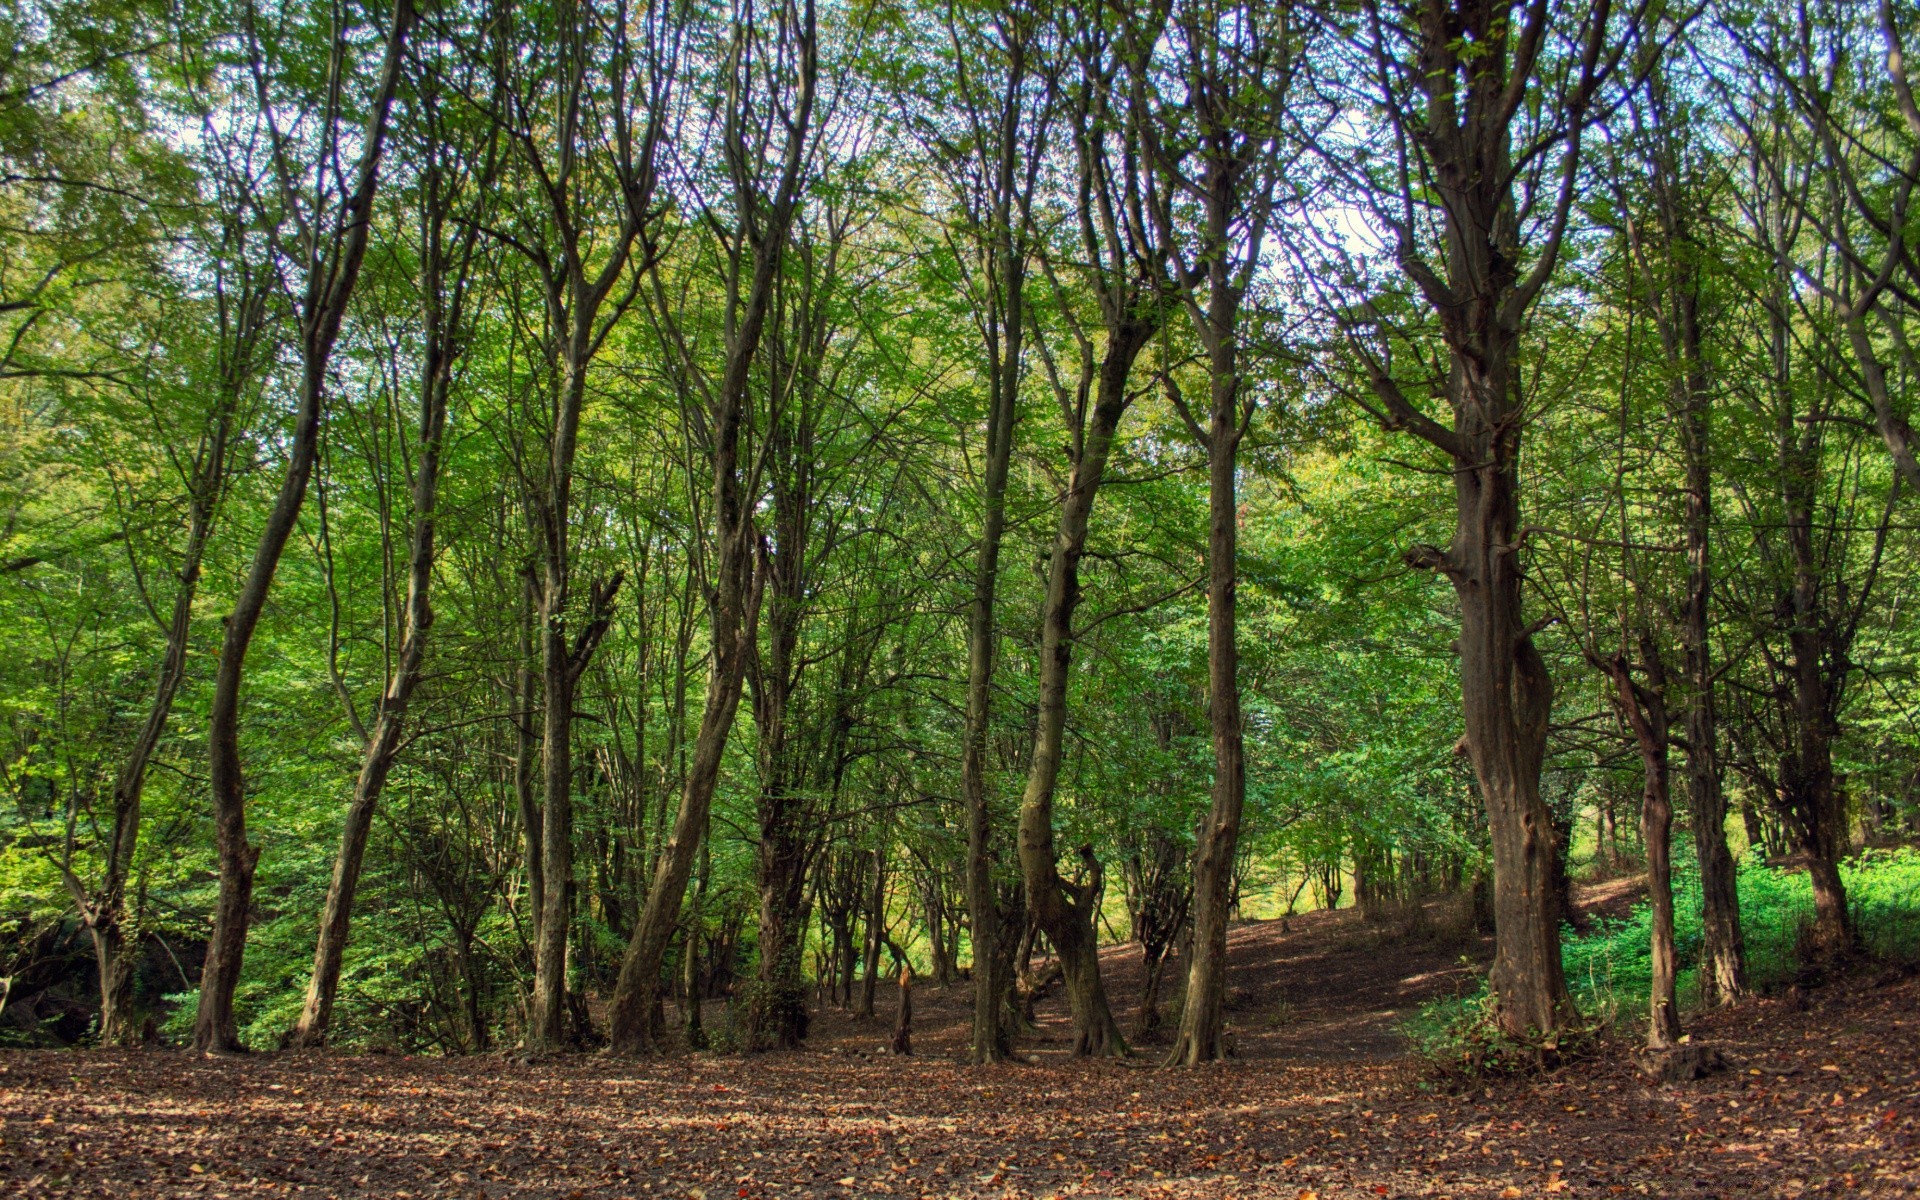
{"x": 1321, "y": 1101}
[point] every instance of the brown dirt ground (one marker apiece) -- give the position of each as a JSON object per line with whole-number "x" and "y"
{"x": 1321, "y": 1102}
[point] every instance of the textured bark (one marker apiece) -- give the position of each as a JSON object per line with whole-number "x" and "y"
{"x": 1472, "y": 63}
{"x": 330, "y": 284}
{"x": 562, "y": 664}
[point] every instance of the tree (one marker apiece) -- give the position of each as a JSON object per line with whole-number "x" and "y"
{"x": 763, "y": 138}
{"x": 452, "y": 193}
{"x": 1218, "y": 169}
{"x": 1485, "y": 106}
{"x": 326, "y": 253}
{"x": 1119, "y": 260}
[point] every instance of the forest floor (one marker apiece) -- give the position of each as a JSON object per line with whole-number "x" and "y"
{"x": 1821, "y": 1097}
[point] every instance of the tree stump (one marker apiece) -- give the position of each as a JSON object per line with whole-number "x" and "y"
{"x": 903, "y": 1019}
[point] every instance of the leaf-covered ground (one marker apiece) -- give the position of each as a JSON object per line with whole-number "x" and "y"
{"x": 1824, "y": 1100}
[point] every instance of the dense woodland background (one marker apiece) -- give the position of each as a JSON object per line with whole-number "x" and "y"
{"x": 520, "y": 516}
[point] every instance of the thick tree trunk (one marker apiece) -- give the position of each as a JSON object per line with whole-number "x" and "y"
{"x": 1813, "y": 805}
{"x": 903, "y": 1015}
{"x": 324, "y": 307}
{"x": 1507, "y": 698}
{"x": 776, "y": 1017}
{"x": 1472, "y": 63}
{"x": 1147, "y": 1021}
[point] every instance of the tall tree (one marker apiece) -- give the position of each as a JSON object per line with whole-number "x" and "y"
{"x": 762, "y": 137}
{"x": 585, "y": 113}
{"x": 1670, "y": 257}
{"x": 1119, "y": 262}
{"x": 332, "y": 214}
{"x": 994, "y": 75}
{"x": 1485, "y": 104}
{"x": 1215, "y": 176}
{"x": 450, "y": 196}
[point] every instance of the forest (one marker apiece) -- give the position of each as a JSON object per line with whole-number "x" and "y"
{"x": 641, "y": 536}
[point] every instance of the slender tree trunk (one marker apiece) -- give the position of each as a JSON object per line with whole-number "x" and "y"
{"x": 1065, "y": 911}
{"x": 1644, "y": 711}
{"x": 384, "y": 742}
{"x": 735, "y": 602}
{"x": 443, "y": 312}
{"x": 1656, "y": 830}
{"x": 1006, "y": 332}
{"x": 104, "y": 910}
{"x": 876, "y": 932}
{"x": 328, "y": 292}
{"x": 526, "y": 692}
{"x": 1202, "y": 1021}
{"x": 547, "y": 1030}
{"x": 1723, "y": 958}
{"x": 638, "y": 987}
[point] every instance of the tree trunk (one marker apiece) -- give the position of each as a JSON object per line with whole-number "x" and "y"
{"x": 443, "y": 321}
{"x": 1507, "y": 698}
{"x": 1644, "y": 711}
{"x": 1066, "y": 911}
{"x": 547, "y": 1029}
{"x": 1723, "y": 958}
{"x": 876, "y": 932}
{"x": 1202, "y": 1021}
{"x": 903, "y": 1016}
{"x": 1005, "y": 343}
{"x": 776, "y": 1017}
{"x": 525, "y": 744}
{"x": 322, "y": 311}
{"x": 1468, "y": 67}
{"x": 103, "y": 911}
{"x": 735, "y": 600}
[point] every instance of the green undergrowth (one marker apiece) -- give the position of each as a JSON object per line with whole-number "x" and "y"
{"x": 1609, "y": 969}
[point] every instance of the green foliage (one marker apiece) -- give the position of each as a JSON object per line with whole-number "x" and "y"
{"x": 1609, "y": 966}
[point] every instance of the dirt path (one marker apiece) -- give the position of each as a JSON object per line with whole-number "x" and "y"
{"x": 1824, "y": 1101}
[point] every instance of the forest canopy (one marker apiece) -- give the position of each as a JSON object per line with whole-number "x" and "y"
{"x": 521, "y": 520}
